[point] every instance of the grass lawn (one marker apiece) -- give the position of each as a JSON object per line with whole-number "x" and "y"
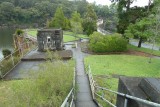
{"x": 123, "y": 65}
{"x": 155, "y": 52}
{"x": 68, "y": 36}
{"x": 108, "y": 65}
{"x": 32, "y": 32}
{"x": 78, "y": 35}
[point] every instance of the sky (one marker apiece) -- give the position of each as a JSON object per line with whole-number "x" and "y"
{"x": 107, "y": 2}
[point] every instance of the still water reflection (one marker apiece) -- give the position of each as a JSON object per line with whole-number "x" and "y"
{"x": 6, "y": 39}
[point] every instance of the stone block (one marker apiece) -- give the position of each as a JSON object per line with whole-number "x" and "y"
{"x": 129, "y": 85}
{"x": 151, "y": 87}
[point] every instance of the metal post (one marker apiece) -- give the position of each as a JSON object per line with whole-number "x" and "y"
{"x": 28, "y": 46}
{"x": 12, "y": 59}
{"x": 125, "y": 102}
{"x": 102, "y": 93}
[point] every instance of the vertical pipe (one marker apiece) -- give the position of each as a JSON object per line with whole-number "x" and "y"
{"x": 125, "y": 102}
{"x": 102, "y": 93}
{"x": 12, "y": 59}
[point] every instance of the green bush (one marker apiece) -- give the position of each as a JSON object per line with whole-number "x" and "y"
{"x": 107, "y": 43}
{"x": 6, "y": 52}
{"x": 19, "y": 32}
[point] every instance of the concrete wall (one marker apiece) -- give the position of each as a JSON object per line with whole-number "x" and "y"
{"x": 56, "y": 39}
{"x": 138, "y": 88}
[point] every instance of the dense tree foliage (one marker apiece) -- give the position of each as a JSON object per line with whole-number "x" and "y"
{"x": 36, "y": 11}
{"x": 76, "y": 23}
{"x": 128, "y": 14}
{"x": 59, "y": 20}
{"x": 139, "y": 30}
{"x": 146, "y": 28}
{"x": 90, "y": 21}
{"x": 109, "y": 16}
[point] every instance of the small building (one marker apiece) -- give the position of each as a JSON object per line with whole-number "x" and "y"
{"x": 51, "y": 39}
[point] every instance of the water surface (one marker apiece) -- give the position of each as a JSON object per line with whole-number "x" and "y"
{"x": 6, "y": 39}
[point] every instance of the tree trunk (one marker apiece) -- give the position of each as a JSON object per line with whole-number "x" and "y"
{"x": 149, "y": 4}
{"x": 140, "y": 42}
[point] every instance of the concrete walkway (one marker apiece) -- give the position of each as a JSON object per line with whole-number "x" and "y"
{"x": 84, "y": 96}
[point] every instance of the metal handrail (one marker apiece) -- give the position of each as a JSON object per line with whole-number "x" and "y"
{"x": 66, "y": 99}
{"x": 130, "y": 97}
{"x": 72, "y": 92}
{"x": 126, "y": 96}
{"x": 12, "y": 59}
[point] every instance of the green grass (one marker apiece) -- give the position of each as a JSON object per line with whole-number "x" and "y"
{"x": 32, "y": 32}
{"x": 68, "y": 36}
{"x": 146, "y": 50}
{"x": 41, "y": 89}
{"x": 123, "y": 65}
{"x": 133, "y": 66}
{"x": 5, "y": 91}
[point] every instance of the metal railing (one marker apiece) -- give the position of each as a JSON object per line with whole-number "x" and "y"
{"x": 91, "y": 81}
{"x": 68, "y": 102}
{"x": 12, "y": 60}
{"x": 126, "y": 96}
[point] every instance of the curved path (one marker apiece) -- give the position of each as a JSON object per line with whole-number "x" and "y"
{"x": 84, "y": 96}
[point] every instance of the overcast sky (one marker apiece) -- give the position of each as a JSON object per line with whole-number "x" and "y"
{"x": 107, "y": 2}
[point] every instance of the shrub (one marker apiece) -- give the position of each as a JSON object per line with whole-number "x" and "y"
{"x": 107, "y": 43}
{"x": 6, "y": 52}
{"x": 19, "y": 32}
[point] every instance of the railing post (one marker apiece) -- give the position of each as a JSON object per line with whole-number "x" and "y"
{"x": 125, "y": 102}
{"x": 12, "y": 59}
{"x": 28, "y": 45}
{"x": 102, "y": 93}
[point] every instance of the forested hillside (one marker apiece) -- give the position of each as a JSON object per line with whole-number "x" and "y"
{"x": 36, "y": 11}
{"x": 39, "y": 11}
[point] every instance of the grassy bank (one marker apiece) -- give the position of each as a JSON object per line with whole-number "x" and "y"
{"x": 47, "y": 88}
{"x": 123, "y": 65}
{"x": 107, "y": 66}
{"x": 146, "y": 50}
{"x": 68, "y": 36}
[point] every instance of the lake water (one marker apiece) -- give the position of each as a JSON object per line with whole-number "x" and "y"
{"x": 6, "y": 39}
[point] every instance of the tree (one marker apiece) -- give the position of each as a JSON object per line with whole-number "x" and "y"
{"x": 7, "y": 10}
{"x": 59, "y": 20}
{"x": 139, "y": 30}
{"x": 76, "y": 23}
{"x": 111, "y": 20}
{"x": 155, "y": 27}
{"x": 90, "y": 21}
{"x": 127, "y": 14}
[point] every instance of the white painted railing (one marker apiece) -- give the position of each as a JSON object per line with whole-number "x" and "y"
{"x": 126, "y": 96}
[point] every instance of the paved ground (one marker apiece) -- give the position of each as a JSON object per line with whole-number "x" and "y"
{"x": 84, "y": 97}
{"x": 144, "y": 45}
{"x": 22, "y": 70}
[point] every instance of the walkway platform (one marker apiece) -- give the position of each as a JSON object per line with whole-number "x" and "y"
{"x": 38, "y": 56}
{"x": 84, "y": 96}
